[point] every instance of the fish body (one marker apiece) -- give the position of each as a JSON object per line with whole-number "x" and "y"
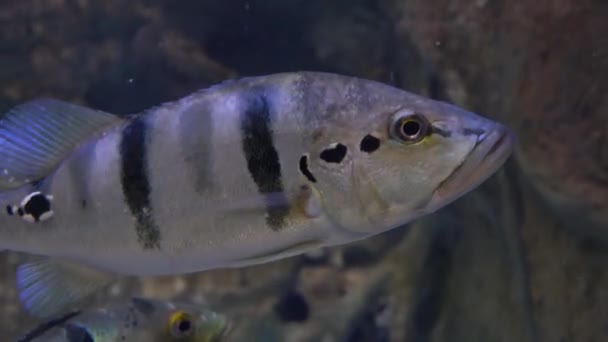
{"x": 245, "y": 172}
{"x": 138, "y": 320}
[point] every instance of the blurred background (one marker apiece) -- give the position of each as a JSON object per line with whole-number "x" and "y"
{"x": 522, "y": 258}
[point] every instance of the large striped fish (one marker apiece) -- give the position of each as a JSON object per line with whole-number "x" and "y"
{"x": 245, "y": 172}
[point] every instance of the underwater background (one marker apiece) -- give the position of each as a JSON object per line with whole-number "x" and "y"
{"x": 522, "y": 258}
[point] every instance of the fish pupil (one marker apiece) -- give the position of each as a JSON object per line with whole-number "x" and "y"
{"x": 334, "y": 154}
{"x": 411, "y": 128}
{"x": 184, "y": 326}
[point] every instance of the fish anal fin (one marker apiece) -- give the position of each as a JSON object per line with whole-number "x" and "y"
{"x": 38, "y": 135}
{"x": 49, "y": 286}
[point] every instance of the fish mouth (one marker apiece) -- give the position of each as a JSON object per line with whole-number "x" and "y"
{"x": 492, "y": 150}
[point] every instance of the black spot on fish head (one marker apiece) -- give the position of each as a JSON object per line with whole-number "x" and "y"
{"x": 305, "y": 170}
{"x": 334, "y": 153}
{"x": 369, "y": 144}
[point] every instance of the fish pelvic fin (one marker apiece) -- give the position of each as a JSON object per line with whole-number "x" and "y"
{"x": 35, "y": 137}
{"x": 48, "y": 286}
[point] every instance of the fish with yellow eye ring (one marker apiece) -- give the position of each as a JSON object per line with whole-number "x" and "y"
{"x": 137, "y": 320}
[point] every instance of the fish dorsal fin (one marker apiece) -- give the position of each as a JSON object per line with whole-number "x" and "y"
{"x": 37, "y": 135}
{"x": 48, "y": 286}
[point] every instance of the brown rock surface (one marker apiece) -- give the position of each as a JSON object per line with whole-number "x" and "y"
{"x": 542, "y": 67}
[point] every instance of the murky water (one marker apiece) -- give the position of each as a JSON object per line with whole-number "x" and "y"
{"x": 522, "y": 258}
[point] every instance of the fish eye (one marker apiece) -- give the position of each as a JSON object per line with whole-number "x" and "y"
{"x": 181, "y": 324}
{"x": 410, "y": 129}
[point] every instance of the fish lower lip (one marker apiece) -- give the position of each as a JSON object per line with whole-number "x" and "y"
{"x": 487, "y": 157}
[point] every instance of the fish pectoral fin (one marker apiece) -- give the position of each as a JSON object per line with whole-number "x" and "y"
{"x": 49, "y": 286}
{"x": 37, "y": 135}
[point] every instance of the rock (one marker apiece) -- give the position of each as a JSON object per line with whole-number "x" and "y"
{"x": 541, "y": 68}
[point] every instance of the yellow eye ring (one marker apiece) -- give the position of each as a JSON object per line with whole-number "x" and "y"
{"x": 410, "y": 129}
{"x": 181, "y": 324}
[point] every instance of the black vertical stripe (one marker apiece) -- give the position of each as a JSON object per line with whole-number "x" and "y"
{"x": 196, "y": 134}
{"x": 135, "y": 183}
{"x": 263, "y": 160}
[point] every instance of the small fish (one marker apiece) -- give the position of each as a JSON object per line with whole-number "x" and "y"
{"x": 139, "y": 319}
{"x": 245, "y": 172}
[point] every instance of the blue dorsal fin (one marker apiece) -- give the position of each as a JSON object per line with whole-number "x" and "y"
{"x": 38, "y": 135}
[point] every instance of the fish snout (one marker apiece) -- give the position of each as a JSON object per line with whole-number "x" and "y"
{"x": 494, "y": 145}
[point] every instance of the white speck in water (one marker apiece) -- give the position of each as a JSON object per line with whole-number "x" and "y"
{"x": 115, "y": 290}
{"x": 247, "y": 6}
{"x": 5, "y": 171}
{"x": 130, "y": 80}
{"x": 437, "y": 43}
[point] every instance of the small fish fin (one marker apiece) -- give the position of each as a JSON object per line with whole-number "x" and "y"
{"x": 48, "y": 286}
{"x": 295, "y": 249}
{"x": 37, "y": 135}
